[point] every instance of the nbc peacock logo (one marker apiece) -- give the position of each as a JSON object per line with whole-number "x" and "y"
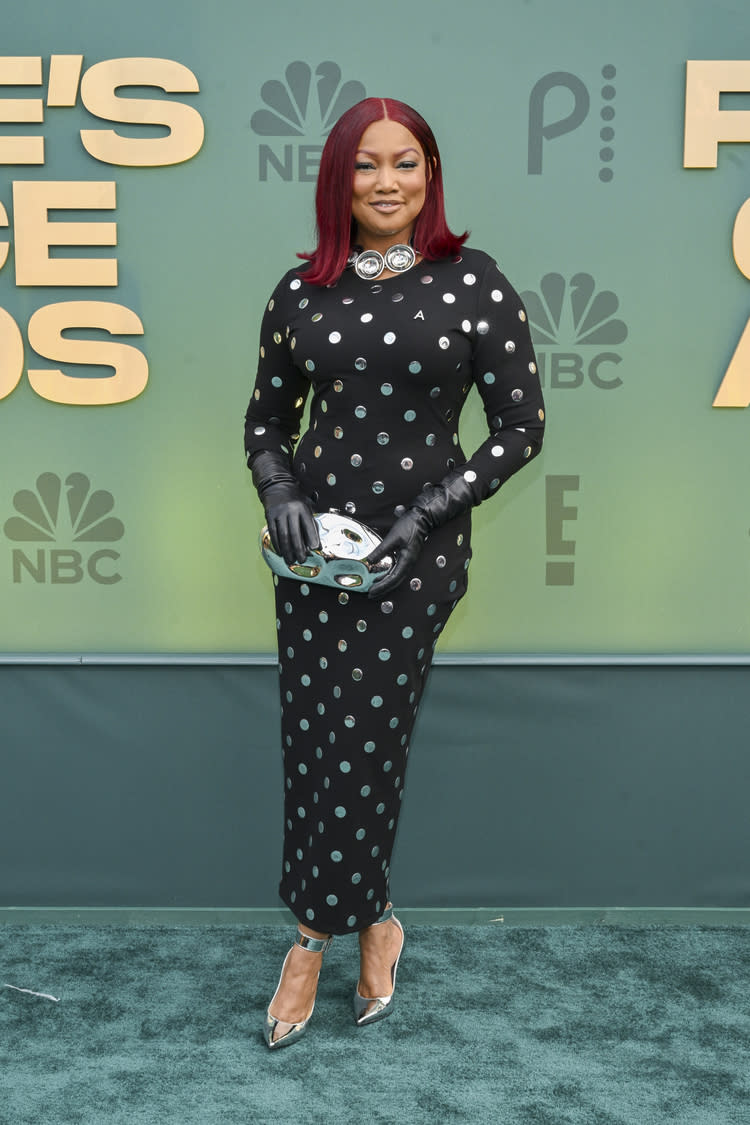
{"x": 63, "y": 514}
{"x": 306, "y": 105}
{"x": 568, "y": 319}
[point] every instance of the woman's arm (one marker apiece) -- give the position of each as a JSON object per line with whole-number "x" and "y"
{"x": 505, "y": 372}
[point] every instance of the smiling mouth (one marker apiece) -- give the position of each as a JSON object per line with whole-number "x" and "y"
{"x": 383, "y": 206}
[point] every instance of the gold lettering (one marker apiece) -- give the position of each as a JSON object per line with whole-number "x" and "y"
{"x": 130, "y": 365}
{"x": 99, "y": 95}
{"x": 11, "y": 354}
{"x": 64, "y": 76}
{"x": 735, "y": 386}
{"x": 19, "y": 70}
{"x": 4, "y": 246}
{"x": 35, "y": 233}
{"x": 705, "y": 124}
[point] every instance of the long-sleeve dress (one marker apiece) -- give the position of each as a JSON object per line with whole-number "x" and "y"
{"x": 390, "y": 364}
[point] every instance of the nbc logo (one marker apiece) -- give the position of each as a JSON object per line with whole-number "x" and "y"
{"x": 574, "y": 314}
{"x": 299, "y": 107}
{"x": 78, "y": 516}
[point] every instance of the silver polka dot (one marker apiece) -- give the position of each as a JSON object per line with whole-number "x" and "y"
{"x": 466, "y": 326}
{"x": 469, "y": 279}
{"x": 510, "y": 346}
{"x": 259, "y": 430}
{"x": 331, "y": 479}
{"x": 360, "y": 363}
{"x": 444, "y": 342}
{"x": 378, "y": 487}
{"x": 360, "y": 411}
{"x": 338, "y": 386}
{"x": 496, "y": 295}
{"x": 386, "y": 607}
{"x": 389, "y": 338}
{"x": 304, "y": 303}
{"x": 343, "y": 598}
{"x": 361, "y": 626}
{"x": 366, "y": 318}
{"x": 355, "y": 460}
{"x": 430, "y": 439}
{"x": 449, "y": 298}
{"x": 470, "y": 476}
{"x": 316, "y": 318}
{"x": 309, "y": 365}
{"x": 384, "y": 654}
{"x": 532, "y": 368}
{"x": 350, "y": 506}
{"x": 415, "y": 367}
{"x": 489, "y": 378}
{"x": 527, "y": 451}
{"x": 334, "y": 337}
{"x": 386, "y": 389}
{"x": 271, "y": 304}
{"x": 416, "y": 584}
{"x": 356, "y": 674}
{"x": 407, "y": 463}
{"x": 516, "y": 394}
{"x": 426, "y": 279}
{"x": 376, "y": 288}
{"x": 441, "y": 560}
{"x": 497, "y": 451}
{"x": 409, "y": 415}
{"x": 482, "y": 327}
{"x": 383, "y": 438}
{"x": 295, "y": 284}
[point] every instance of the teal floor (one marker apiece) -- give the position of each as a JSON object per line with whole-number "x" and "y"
{"x": 558, "y": 1025}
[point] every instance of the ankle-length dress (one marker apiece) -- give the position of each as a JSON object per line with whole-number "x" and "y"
{"x": 390, "y": 364}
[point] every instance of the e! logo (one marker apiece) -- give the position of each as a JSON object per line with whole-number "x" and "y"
{"x": 558, "y": 513}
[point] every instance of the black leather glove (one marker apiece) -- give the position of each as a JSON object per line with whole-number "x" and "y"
{"x": 289, "y": 513}
{"x": 435, "y": 505}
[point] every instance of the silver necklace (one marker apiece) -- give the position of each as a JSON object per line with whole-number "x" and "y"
{"x": 369, "y": 264}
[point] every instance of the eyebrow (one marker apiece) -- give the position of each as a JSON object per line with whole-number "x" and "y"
{"x": 401, "y": 152}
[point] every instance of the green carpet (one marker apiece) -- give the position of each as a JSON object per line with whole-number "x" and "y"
{"x": 562, "y": 1025}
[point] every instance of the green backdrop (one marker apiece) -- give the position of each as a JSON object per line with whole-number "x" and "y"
{"x": 628, "y": 535}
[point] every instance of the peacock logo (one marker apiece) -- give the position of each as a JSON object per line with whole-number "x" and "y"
{"x": 64, "y": 513}
{"x": 576, "y": 315}
{"x": 306, "y": 104}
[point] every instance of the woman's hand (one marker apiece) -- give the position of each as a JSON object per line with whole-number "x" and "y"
{"x": 293, "y": 531}
{"x": 289, "y": 513}
{"x": 405, "y": 541}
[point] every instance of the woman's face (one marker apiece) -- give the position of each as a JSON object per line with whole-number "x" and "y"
{"x": 390, "y": 179}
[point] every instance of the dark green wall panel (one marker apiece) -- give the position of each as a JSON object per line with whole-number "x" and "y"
{"x": 527, "y": 786}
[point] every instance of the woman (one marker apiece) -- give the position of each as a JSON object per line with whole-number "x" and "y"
{"x": 390, "y": 347}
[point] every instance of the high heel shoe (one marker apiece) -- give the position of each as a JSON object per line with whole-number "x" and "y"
{"x": 368, "y": 1009}
{"x": 315, "y": 945}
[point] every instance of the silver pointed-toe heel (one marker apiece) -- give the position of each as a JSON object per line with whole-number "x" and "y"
{"x": 368, "y": 1009}
{"x": 315, "y": 945}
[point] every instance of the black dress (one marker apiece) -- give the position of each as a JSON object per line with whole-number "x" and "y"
{"x": 390, "y": 364}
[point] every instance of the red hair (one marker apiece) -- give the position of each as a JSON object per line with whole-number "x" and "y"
{"x": 333, "y": 195}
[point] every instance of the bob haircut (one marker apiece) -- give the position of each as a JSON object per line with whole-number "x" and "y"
{"x": 333, "y": 195}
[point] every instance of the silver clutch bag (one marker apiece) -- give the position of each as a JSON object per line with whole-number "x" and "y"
{"x": 341, "y": 559}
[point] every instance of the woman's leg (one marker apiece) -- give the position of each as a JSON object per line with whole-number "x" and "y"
{"x": 296, "y": 991}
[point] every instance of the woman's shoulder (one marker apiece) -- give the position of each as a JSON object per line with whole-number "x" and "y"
{"x": 473, "y": 259}
{"x": 290, "y": 282}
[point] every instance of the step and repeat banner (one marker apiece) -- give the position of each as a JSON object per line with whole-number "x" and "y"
{"x": 157, "y": 170}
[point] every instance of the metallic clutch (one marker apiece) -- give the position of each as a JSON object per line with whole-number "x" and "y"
{"x": 341, "y": 559}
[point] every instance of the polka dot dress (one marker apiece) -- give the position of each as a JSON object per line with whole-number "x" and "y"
{"x": 390, "y": 364}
